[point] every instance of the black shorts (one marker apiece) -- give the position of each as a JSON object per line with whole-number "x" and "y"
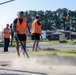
{"x": 35, "y": 36}
{"x": 22, "y": 37}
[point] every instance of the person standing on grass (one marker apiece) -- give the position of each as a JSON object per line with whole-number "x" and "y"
{"x": 36, "y": 32}
{"x": 6, "y": 36}
{"x": 20, "y": 25}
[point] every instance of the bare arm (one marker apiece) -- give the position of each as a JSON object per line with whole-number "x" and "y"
{"x": 28, "y": 26}
{"x": 41, "y": 23}
{"x": 14, "y": 25}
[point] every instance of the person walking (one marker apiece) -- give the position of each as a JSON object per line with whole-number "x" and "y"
{"x": 6, "y": 36}
{"x": 36, "y": 32}
{"x": 20, "y": 25}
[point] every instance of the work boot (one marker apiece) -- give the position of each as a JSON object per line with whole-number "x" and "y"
{"x": 5, "y": 51}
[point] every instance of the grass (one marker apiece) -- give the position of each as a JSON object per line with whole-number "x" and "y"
{"x": 46, "y": 41}
{"x": 57, "y": 42}
{"x": 1, "y": 44}
{"x": 62, "y": 52}
{"x": 51, "y": 42}
{"x": 27, "y": 41}
{"x": 71, "y": 42}
{"x": 4, "y": 65}
{"x": 13, "y": 43}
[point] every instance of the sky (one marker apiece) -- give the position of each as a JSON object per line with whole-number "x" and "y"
{"x": 8, "y": 11}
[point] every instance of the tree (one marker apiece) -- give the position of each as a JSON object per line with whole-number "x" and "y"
{"x": 52, "y": 19}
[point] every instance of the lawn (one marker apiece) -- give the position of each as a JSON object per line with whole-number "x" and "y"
{"x": 13, "y": 43}
{"x": 57, "y": 42}
{"x": 62, "y": 52}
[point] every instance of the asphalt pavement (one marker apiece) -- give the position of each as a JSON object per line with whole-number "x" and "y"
{"x": 44, "y": 45}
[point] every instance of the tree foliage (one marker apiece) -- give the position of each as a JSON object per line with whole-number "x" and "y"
{"x": 54, "y": 19}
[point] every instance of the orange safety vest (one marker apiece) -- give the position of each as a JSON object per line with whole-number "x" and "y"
{"x": 6, "y": 33}
{"x": 36, "y": 28}
{"x": 21, "y": 28}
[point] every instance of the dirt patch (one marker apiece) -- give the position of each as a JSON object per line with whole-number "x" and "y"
{"x": 54, "y": 64}
{"x": 5, "y": 63}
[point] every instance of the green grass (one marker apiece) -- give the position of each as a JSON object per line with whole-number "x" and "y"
{"x": 27, "y": 41}
{"x": 51, "y": 42}
{"x": 4, "y": 65}
{"x": 62, "y": 52}
{"x": 1, "y": 44}
{"x": 46, "y": 41}
{"x": 13, "y": 43}
{"x": 57, "y": 42}
{"x": 71, "y": 42}
{"x": 73, "y": 50}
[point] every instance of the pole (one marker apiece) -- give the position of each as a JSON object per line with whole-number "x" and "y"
{"x": 6, "y": 2}
{"x": 22, "y": 46}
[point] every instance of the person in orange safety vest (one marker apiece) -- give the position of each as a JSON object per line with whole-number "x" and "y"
{"x": 36, "y": 32}
{"x": 20, "y": 25}
{"x": 6, "y": 36}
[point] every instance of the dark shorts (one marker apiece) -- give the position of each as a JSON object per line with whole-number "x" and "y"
{"x": 35, "y": 36}
{"x": 22, "y": 37}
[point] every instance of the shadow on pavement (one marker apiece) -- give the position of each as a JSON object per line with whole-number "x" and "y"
{"x": 6, "y": 69}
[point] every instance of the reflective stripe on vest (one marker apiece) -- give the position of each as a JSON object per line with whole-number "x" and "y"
{"x": 6, "y": 33}
{"x": 36, "y": 28}
{"x": 21, "y": 28}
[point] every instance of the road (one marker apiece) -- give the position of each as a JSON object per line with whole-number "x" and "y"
{"x": 45, "y": 46}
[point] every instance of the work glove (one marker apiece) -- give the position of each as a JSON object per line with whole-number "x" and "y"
{"x": 15, "y": 34}
{"x": 29, "y": 34}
